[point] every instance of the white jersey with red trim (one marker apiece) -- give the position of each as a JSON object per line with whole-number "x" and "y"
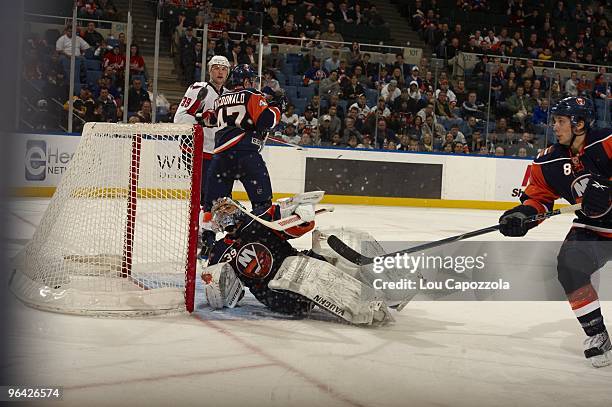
{"x": 190, "y": 104}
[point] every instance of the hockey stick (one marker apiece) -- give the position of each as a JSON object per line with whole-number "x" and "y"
{"x": 281, "y": 224}
{"x": 357, "y": 258}
{"x": 283, "y": 142}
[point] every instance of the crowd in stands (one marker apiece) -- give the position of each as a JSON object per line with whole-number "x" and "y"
{"x": 100, "y": 64}
{"x": 344, "y": 99}
{"x": 577, "y": 32}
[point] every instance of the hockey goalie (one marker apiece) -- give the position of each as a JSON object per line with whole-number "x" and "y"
{"x": 285, "y": 280}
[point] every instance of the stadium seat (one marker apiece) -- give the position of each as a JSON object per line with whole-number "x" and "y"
{"x": 291, "y": 92}
{"x": 92, "y": 77}
{"x": 281, "y": 78}
{"x": 300, "y": 105}
{"x": 371, "y": 97}
{"x": 307, "y": 91}
{"x": 296, "y": 80}
{"x": 93, "y": 65}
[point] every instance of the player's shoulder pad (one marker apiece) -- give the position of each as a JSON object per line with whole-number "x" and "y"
{"x": 254, "y": 91}
{"x": 598, "y": 135}
{"x": 197, "y": 85}
{"x": 551, "y": 153}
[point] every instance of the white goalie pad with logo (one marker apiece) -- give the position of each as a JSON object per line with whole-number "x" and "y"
{"x": 364, "y": 243}
{"x": 331, "y": 289}
{"x": 221, "y": 285}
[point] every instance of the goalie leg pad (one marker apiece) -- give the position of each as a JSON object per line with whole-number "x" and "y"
{"x": 331, "y": 289}
{"x": 221, "y": 285}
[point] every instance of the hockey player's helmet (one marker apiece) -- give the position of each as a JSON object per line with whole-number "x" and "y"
{"x": 576, "y": 108}
{"x": 225, "y": 215}
{"x": 241, "y": 72}
{"x": 219, "y": 60}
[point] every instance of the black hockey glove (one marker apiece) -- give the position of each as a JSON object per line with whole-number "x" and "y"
{"x": 281, "y": 102}
{"x": 512, "y": 222}
{"x": 597, "y": 197}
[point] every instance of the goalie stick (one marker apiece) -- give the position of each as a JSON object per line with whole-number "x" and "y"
{"x": 281, "y": 224}
{"x": 357, "y": 258}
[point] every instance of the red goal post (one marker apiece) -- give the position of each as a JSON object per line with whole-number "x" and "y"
{"x": 120, "y": 234}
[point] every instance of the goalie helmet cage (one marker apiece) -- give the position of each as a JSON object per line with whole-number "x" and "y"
{"x": 119, "y": 237}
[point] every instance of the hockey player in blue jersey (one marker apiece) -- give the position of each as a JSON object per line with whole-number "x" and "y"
{"x": 579, "y": 169}
{"x": 243, "y": 117}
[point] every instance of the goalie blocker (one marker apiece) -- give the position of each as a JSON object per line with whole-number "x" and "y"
{"x": 280, "y": 277}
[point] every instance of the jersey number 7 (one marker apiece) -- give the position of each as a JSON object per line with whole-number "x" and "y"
{"x": 231, "y": 116}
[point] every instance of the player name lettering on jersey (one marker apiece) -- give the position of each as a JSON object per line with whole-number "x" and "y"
{"x": 231, "y": 99}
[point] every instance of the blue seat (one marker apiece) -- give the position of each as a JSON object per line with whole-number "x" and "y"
{"x": 307, "y": 91}
{"x": 93, "y": 65}
{"x": 291, "y": 92}
{"x": 300, "y": 105}
{"x": 281, "y": 78}
{"x": 92, "y": 77}
{"x": 342, "y": 104}
{"x": 371, "y": 97}
{"x": 296, "y": 80}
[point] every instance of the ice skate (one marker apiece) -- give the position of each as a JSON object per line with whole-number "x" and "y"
{"x": 598, "y": 349}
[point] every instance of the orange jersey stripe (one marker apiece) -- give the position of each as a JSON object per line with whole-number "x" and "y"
{"x": 538, "y": 189}
{"x": 256, "y": 105}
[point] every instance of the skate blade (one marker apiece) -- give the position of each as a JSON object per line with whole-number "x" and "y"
{"x": 601, "y": 360}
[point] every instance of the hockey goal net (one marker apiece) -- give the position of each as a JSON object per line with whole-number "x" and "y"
{"x": 119, "y": 236}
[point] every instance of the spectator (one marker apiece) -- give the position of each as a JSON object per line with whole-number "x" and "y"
{"x": 136, "y": 96}
{"x": 224, "y": 45}
{"x": 383, "y": 134}
{"x": 249, "y": 57}
{"x": 315, "y": 73}
{"x": 427, "y": 143}
{"x": 352, "y": 142}
{"x": 102, "y": 49}
{"x": 274, "y": 60}
{"x": 115, "y": 62}
{"x": 137, "y": 64}
{"x": 188, "y": 58}
{"x": 350, "y": 130}
{"x": 332, "y": 63}
{"x": 332, "y": 35}
{"x": 308, "y": 121}
{"x": 390, "y": 92}
{"x": 289, "y": 116}
{"x": 571, "y": 85}
{"x": 436, "y": 130}
{"x": 108, "y": 105}
{"x": 381, "y": 109}
{"x": 169, "y": 117}
{"x": 63, "y": 46}
{"x": 471, "y": 107}
{"x": 145, "y": 113}
{"x": 352, "y": 90}
{"x": 91, "y": 36}
{"x": 335, "y": 122}
{"x": 290, "y": 135}
{"x": 362, "y": 108}
{"x": 366, "y": 142}
{"x": 520, "y": 106}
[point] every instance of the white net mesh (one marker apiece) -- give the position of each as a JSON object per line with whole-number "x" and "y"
{"x": 117, "y": 237}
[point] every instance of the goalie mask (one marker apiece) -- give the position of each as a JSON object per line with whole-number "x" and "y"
{"x": 225, "y": 215}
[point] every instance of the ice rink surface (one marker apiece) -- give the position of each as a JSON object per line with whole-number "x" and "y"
{"x": 435, "y": 354}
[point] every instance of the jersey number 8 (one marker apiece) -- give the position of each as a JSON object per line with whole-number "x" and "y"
{"x": 231, "y": 116}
